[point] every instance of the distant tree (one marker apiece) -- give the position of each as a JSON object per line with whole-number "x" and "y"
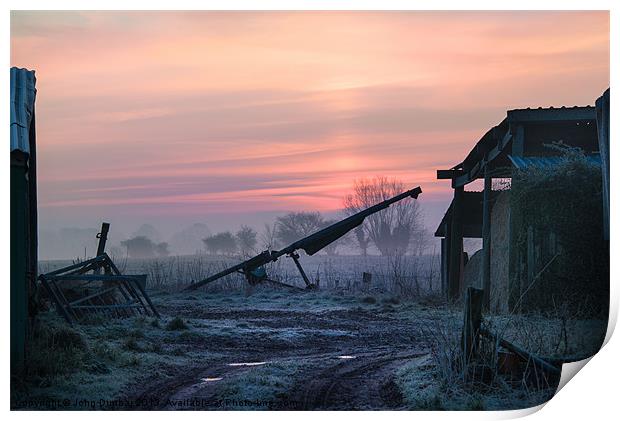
{"x": 296, "y": 225}
{"x": 246, "y": 239}
{"x": 189, "y": 239}
{"x": 391, "y": 229}
{"x": 162, "y": 249}
{"x": 223, "y": 242}
{"x": 148, "y": 231}
{"x": 268, "y": 238}
{"x": 139, "y": 247}
{"x": 421, "y": 242}
{"x": 362, "y": 239}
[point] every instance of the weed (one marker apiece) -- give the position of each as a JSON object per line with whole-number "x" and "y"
{"x": 131, "y": 344}
{"x": 369, "y": 300}
{"x": 176, "y": 324}
{"x": 391, "y": 300}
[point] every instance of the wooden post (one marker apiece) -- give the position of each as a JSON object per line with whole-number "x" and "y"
{"x": 444, "y": 266}
{"x": 366, "y": 280}
{"x": 102, "y": 236}
{"x": 486, "y": 239}
{"x": 456, "y": 245}
{"x": 514, "y": 259}
{"x": 471, "y": 323}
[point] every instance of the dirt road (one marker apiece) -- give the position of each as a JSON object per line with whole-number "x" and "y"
{"x": 299, "y": 351}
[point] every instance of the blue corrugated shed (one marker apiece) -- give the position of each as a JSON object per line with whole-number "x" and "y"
{"x": 23, "y": 94}
{"x": 544, "y": 162}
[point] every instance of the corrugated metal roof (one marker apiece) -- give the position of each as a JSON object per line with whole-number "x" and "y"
{"x": 544, "y": 162}
{"x": 23, "y": 93}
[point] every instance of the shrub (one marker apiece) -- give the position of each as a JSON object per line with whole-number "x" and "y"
{"x": 369, "y": 300}
{"x": 391, "y": 300}
{"x": 176, "y": 324}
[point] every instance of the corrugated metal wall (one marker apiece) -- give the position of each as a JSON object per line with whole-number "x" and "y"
{"x": 23, "y": 208}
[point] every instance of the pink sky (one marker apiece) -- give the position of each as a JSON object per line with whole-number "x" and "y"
{"x": 165, "y": 116}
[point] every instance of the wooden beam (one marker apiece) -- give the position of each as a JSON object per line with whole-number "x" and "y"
{"x": 486, "y": 239}
{"x": 523, "y": 354}
{"x": 551, "y": 114}
{"x": 456, "y": 245}
{"x": 75, "y": 266}
{"x": 448, "y": 174}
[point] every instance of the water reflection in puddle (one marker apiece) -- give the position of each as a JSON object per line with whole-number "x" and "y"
{"x": 246, "y": 364}
{"x": 210, "y": 379}
{"x": 347, "y": 357}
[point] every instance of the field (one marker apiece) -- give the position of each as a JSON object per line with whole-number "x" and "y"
{"x": 231, "y": 347}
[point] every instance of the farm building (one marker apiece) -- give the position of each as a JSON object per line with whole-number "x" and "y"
{"x": 542, "y": 214}
{"x": 23, "y": 206}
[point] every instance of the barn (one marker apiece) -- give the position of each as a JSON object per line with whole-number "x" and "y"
{"x": 527, "y": 212}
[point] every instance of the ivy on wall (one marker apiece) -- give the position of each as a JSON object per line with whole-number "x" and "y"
{"x": 559, "y": 257}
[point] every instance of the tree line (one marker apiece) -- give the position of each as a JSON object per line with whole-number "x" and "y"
{"x": 396, "y": 230}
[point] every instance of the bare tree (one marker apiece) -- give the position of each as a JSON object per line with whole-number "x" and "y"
{"x": 246, "y": 239}
{"x": 296, "y": 225}
{"x": 391, "y": 229}
{"x": 363, "y": 241}
{"x": 268, "y": 238}
{"x": 420, "y": 241}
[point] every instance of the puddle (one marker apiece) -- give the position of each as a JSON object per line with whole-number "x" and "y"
{"x": 246, "y": 364}
{"x": 211, "y": 379}
{"x": 347, "y": 357}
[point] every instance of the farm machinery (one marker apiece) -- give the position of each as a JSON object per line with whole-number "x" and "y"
{"x": 254, "y": 270}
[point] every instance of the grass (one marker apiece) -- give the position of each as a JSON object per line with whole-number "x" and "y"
{"x": 56, "y": 349}
{"x": 105, "y": 360}
{"x": 92, "y": 361}
{"x": 131, "y": 344}
{"x": 263, "y": 388}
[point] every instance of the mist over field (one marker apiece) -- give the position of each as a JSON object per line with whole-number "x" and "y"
{"x": 63, "y": 238}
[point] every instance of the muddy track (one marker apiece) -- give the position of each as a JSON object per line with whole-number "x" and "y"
{"x": 363, "y": 382}
{"x": 311, "y": 359}
{"x": 329, "y": 382}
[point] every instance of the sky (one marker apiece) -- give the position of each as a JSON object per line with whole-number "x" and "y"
{"x": 171, "y": 118}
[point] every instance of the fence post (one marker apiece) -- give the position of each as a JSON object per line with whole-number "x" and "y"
{"x": 103, "y": 237}
{"x": 366, "y": 280}
{"x": 471, "y": 323}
